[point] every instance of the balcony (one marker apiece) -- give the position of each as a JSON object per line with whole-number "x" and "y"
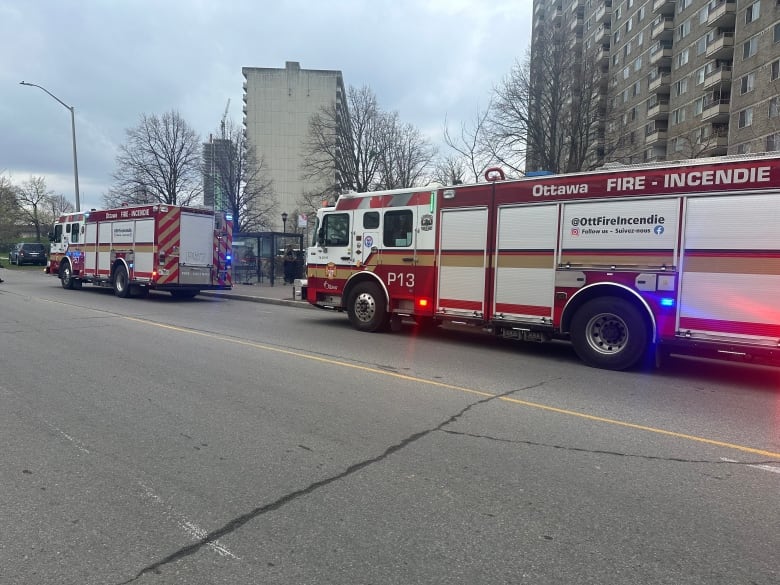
{"x": 658, "y": 110}
{"x": 658, "y": 82}
{"x": 663, "y": 6}
{"x": 717, "y": 77}
{"x": 602, "y": 33}
{"x": 604, "y": 13}
{"x": 723, "y": 14}
{"x": 602, "y": 55}
{"x": 661, "y": 52}
{"x": 663, "y": 28}
{"x": 654, "y": 136}
{"x": 716, "y": 111}
{"x": 721, "y": 47}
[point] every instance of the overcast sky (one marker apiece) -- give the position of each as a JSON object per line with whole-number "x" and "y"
{"x": 116, "y": 59}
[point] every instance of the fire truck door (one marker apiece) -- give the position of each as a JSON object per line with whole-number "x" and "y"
{"x": 333, "y": 239}
{"x": 367, "y": 237}
{"x": 398, "y": 253}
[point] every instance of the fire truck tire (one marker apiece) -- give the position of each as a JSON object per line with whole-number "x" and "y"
{"x": 367, "y": 308}
{"x": 610, "y": 333}
{"x": 121, "y": 282}
{"x": 66, "y": 277}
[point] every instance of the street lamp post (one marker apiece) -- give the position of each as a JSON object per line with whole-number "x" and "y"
{"x": 73, "y": 132}
{"x": 284, "y": 221}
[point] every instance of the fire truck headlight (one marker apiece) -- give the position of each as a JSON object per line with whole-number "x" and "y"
{"x": 228, "y": 259}
{"x": 422, "y": 303}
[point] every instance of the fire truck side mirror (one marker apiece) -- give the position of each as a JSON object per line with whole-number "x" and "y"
{"x": 320, "y": 237}
{"x": 51, "y": 236}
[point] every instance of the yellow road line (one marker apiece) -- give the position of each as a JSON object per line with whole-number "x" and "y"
{"x": 535, "y": 405}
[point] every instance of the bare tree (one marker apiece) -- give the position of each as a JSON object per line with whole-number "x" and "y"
{"x": 59, "y": 204}
{"x": 240, "y": 179}
{"x": 34, "y": 201}
{"x": 449, "y": 170}
{"x": 472, "y": 153}
{"x": 548, "y": 113}
{"x": 361, "y": 149}
{"x": 159, "y": 163}
{"x": 340, "y": 152}
{"x": 405, "y": 155}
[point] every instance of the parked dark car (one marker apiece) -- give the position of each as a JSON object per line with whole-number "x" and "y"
{"x": 26, "y": 253}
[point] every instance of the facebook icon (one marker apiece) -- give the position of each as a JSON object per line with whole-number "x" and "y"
{"x": 659, "y": 229}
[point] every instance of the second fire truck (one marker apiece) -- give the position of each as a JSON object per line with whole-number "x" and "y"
{"x": 626, "y": 263}
{"x": 181, "y": 250}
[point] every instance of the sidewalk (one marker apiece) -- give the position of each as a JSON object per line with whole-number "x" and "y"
{"x": 279, "y": 294}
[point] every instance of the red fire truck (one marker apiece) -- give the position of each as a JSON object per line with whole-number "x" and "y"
{"x": 183, "y": 250}
{"x": 627, "y": 263}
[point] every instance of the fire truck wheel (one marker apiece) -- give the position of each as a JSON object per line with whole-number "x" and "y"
{"x": 66, "y": 276}
{"x": 609, "y": 333}
{"x": 121, "y": 282}
{"x": 367, "y": 307}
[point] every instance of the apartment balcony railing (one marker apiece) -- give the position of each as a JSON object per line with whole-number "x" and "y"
{"x": 716, "y": 110}
{"x": 658, "y": 110}
{"x": 717, "y": 77}
{"x": 661, "y": 51}
{"x": 722, "y": 13}
{"x": 655, "y": 135}
{"x": 721, "y": 47}
{"x": 658, "y": 82}
{"x": 663, "y": 6}
{"x": 662, "y": 28}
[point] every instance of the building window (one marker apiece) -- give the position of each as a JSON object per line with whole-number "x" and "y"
{"x": 698, "y": 106}
{"x": 699, "y": 75}
{"x": 684, "y": 29}
{"x": 773, "y": 142}
{"x": 774, "y": 70}
{"x": 682, "y": 58}
{"x": 701, "y": 45}
{"x": 743, "y": 148}
{"x": 774, "y": 107}
{"x": 746, "y": 117}
{"x": 681, "y": 86}
{"x": 777, "y": 33}
{"x": 638, "y": 63}
{"x": 683, "y": 4}
{"x": 747, "y": 83}
{"x": 750, "y": 47}
{"x": 704, "y": 14}
{"x": 752, "y": 12}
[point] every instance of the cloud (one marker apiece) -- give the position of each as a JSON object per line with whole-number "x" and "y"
{"x": 114, "y": 61}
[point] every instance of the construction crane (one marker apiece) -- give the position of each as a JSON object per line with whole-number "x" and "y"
{"x": 224, "y": 118}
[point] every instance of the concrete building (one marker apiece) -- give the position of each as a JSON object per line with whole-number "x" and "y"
{"x": 278, "y": 104}
{"x": 680, "y": 78}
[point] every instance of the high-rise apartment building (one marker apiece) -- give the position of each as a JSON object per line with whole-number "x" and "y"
{"x": 278, "y": 105}
{"x": 678, "y": 78}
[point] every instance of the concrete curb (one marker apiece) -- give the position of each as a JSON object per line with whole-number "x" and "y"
{"x": 267, "y": 300}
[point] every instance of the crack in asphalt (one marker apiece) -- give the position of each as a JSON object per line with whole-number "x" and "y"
{"x": 604, "y": 452}
{"x": 238, "y": 522}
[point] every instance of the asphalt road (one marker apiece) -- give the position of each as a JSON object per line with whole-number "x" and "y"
{"x": 218, "y": 441}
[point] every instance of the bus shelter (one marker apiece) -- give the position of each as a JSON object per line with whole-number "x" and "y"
{"x": 258, "y": 257}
